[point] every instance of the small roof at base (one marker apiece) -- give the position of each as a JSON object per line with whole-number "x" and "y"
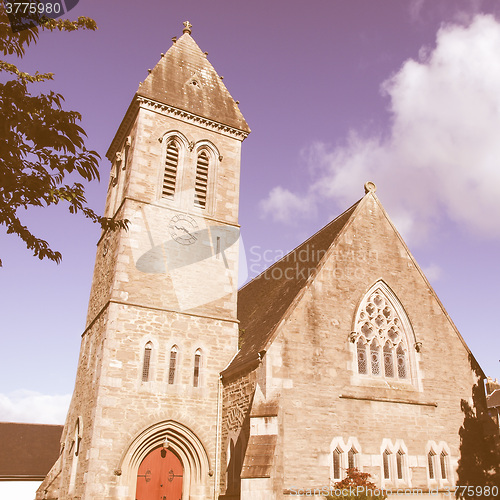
{"x": 28, "y": 451}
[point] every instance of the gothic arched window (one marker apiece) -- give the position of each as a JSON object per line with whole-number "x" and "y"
{"x": 170, "y": 172}
{"x": 147, "y": 361}
{"x": 344, "y": 456}
{"x": 443, "y": 462}
{"x": 172, "y": 366}
{"x": 201, "y": 183}
{"x": 337, "y": 455}
{"x": 351, "y": 458}
{"x": 440, "y": 472}
{"x": 399, "y": 464}
{"x": 197, "y": 364}
{"x": 430, "y": 464}
{"x": 381, "y": 324}
{"x": 386, "y": 464}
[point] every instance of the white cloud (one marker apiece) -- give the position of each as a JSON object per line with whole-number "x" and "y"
{"x": 433, "y": 272}
{"x": 441, "y": 159}
{"x": 33, "y": 407}
{"x": 283, "y": 206}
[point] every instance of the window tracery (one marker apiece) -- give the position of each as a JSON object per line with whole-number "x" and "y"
{"x": 388, "y": 359}
{"x": 375, "y": 357}
{"x": 362, "y": 361}
{"x": 381, "y": 339}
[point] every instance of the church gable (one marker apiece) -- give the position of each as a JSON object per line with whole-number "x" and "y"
{"x": 367, "y": 291}
{"x": 366, "y": 350}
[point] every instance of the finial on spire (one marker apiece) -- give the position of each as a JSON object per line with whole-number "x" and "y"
{"x": 370, "y": 187}
{"x": 187, "y": 27}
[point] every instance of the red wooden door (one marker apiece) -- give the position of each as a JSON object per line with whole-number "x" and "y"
{"x": 159, "y": 476}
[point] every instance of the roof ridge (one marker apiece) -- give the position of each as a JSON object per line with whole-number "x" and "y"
{"x": 265, "y": 304}
{"x": 300, "y": 244}
{"x": 30, "y": 423}
{"x": 428, "y": 283}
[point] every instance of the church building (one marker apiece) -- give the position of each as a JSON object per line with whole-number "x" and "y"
{"x": 339, "y": 355}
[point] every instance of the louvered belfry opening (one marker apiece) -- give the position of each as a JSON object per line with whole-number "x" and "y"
{"x": 170, "y": 174}
{"x": 201, "y": 185}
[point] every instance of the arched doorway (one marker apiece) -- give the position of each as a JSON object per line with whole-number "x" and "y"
{"x": 183, "y": 443}
{"x": 159, "y": 476}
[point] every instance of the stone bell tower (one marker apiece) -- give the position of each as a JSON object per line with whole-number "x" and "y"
{"x": 145, "y": 414}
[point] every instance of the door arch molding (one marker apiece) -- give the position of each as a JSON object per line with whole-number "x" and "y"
{"x": 182, "y": 441}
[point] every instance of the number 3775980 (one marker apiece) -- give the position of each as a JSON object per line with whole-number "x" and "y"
{"x": 32, "y": 8}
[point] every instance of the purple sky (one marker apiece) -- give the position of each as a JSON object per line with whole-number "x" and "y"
{"x": 337, "y": 92}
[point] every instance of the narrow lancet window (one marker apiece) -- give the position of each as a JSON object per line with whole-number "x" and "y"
{"x": 399, "y": 464}
{"x": 401, "y": 362}
{"x": 444, "y": 462}
{"x": 375, "y": 358}
{"x": 388, "y": 360}
{"x": 430, "y": 464}
{"x": 337, "y": 454}
{"x": 201, "y": 184}
{"x": 351, "y": 458}
{"x": 147, "y": 361}
{"x": 362, "y": 364}
{"x": 197, "y": 362}
{"x": 173, "y": 362}
{"x": 170, "y": 173}
{"x": 385, "y": 460}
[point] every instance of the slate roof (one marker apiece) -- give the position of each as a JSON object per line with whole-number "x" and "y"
{"x": 263, "y": 302}
{"x": 28, "y": 451}
{"x": 493, "y": 400}
{"x": 259, "y": 456}
{"x": 184, "y": 79}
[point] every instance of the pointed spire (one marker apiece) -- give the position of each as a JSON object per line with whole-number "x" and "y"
{"x": 187, "y": 27}
{"x": 185, "y": 79}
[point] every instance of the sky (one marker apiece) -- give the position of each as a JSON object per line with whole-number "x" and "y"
{"x": 336, "y": 92}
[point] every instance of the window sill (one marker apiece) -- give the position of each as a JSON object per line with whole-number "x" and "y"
{"x": 388, "y": 400}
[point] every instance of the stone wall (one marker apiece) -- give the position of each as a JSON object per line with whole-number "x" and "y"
{"x": 312, "y": 365}
{"x": 237, "y": 399}
{"x": 148, "y": 287}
